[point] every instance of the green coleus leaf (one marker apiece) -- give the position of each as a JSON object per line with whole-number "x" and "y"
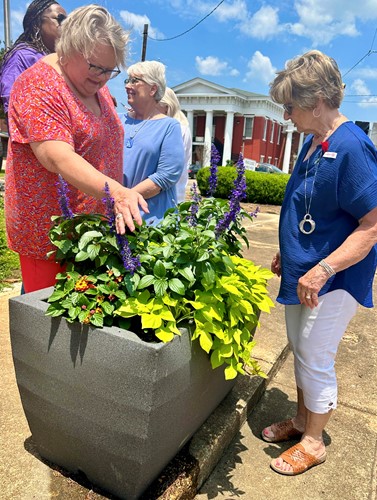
{"x": 81, "y": 256}
{"x": 88, "y": 237}
{"x": 187, "y": 273}
{"x": 56, "y": 295}
{"x": 177, "y": 286}
{"x": 55, "y": 310}
{"x": 93, "y": 251}
{"x": 146, "y": 281}
{"x": 160, "y": 287}
{"x": 159, "y": 269}
{"x": 107, "y": 307}
{"x": 97, "y": 320}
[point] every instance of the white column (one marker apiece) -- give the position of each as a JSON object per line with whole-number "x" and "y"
{"x": 300, "y": 142}
{"x": 288, "y": 148}
{"x": 190, "y": 119}
{"x": 228, "y": 137}
{"x": 208, "y": 139}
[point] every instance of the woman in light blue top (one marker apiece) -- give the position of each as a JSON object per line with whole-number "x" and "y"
{"x": 153, "y": 146}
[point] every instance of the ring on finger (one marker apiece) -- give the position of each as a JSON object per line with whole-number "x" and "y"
{"x": 119, "y": 216}
{"x": 307, "y": 296}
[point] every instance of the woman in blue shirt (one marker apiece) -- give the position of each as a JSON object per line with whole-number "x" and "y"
{"x": 327, "y": 236}
{"x": 153, "y": 146}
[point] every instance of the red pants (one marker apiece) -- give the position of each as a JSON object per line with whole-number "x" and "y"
{"x": 38, "y": 274}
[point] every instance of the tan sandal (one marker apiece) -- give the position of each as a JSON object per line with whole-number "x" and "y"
{"x": 284, "y": 431}
{"x": 299, "y": 459}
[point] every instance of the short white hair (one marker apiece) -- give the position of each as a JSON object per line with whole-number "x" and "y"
{"x": 153, "y": 73}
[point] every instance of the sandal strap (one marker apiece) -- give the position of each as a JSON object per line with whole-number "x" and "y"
{"x": 299, "y": 459}
{"x": 285, "y": 430}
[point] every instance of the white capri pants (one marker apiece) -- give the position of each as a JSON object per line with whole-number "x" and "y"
{"x": 314, "y": 336}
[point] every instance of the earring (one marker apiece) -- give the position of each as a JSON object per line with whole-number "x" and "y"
{"x": 316, "y": 116}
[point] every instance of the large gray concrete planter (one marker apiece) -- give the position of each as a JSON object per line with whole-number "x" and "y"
{"x": 102, "y": 401}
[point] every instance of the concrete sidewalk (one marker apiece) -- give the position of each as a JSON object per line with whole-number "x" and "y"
{"x": 231, "y": 434}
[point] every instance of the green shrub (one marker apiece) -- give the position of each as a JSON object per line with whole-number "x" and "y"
{"x": 9, "y": 263}
{"x": 261, "y": 188}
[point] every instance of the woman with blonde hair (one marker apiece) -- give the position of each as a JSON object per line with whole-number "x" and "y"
{"x": 170, "y": 106}
{"x": 63, "y": 123}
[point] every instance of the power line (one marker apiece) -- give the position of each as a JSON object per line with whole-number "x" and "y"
{"x": 190, "y": 29}
{"x": 370, "y": 51}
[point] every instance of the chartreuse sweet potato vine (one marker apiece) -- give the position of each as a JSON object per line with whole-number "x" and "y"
{"x": 188, "y": 271}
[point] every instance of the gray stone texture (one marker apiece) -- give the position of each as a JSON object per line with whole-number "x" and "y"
{"x": 104, "y": 402}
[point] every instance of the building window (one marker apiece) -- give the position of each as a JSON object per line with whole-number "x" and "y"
{"x": 279, "y": 133}
{"x": 265, "y": 129}
{"x": 269, "y": 160}
{"x": 272, "y": 132}
{"x": 276, "y": 162}
{"x": 261, "y": 159}
{"x": 248, "y": 127}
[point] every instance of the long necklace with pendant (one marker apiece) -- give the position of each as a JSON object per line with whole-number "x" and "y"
{"x": 130, "y": 140}
{"x": 308, "y": 219}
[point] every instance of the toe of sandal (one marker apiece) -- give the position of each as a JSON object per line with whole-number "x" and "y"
{"x": 299, "y": 459}
{"x": 284, "y": 431}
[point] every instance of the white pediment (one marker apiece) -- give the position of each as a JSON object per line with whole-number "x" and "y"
{"x": 198, "y": 86}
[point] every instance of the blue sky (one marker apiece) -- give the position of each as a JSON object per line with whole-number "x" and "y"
{"x": 243, "y": 42}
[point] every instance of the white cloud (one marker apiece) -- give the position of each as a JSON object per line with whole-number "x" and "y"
{"x": 260, "y": 68}
{"x": 136, "y": 22}
{"x": 213, "y": 66}
{"x": 361, "y": 89}
{"x": 322, "y": 21}
{"x": 263, "y": 25}
{"x": 229, "y": 11}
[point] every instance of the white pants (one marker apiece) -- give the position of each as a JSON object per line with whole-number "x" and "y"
{"x": 314, "y": 336}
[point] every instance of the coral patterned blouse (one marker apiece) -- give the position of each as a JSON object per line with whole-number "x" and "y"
{"x": 42, "y": 107}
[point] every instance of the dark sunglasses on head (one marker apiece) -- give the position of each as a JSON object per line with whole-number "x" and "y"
{"x": 60, "y": 18}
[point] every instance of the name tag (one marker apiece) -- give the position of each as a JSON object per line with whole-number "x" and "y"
{"x": 329, "y": 154}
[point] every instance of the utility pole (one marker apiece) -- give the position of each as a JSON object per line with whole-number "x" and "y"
{"x": 6, "y": 23}
{"x": 145, "y": 36}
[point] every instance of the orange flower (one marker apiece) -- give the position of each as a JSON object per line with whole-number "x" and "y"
{"x": 83, "y": 284}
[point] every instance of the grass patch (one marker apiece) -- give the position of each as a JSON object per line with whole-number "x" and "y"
{"x": 9, "y": 262}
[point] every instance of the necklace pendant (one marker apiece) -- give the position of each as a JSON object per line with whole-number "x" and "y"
{"x": 129, "y": 143}
{"x": 307, "y": 220}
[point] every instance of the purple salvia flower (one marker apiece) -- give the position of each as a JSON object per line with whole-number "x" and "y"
{"x": 195, "y": 200}
{"x": 108, "y": 201}
{"x": 63, "y": 193}
{"x": 238, "y": 193}
{"x": 215, "y": 158}
{"x": 131, "y": 263}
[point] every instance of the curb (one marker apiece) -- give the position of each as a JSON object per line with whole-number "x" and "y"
{"x": 187, "y": 472}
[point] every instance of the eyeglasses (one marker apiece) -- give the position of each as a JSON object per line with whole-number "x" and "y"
{"x": 99, "y": 71}
{"x": 288, "y": 108}
{"x": 59, "y": 18}
{"x": 133, "y": 80}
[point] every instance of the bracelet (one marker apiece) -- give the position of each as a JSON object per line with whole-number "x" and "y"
{"x": 329, "y": 270}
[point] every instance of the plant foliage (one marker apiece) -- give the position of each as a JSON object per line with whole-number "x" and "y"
{"x": 190, "y": 273}
{"x": 260, "y": 187}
